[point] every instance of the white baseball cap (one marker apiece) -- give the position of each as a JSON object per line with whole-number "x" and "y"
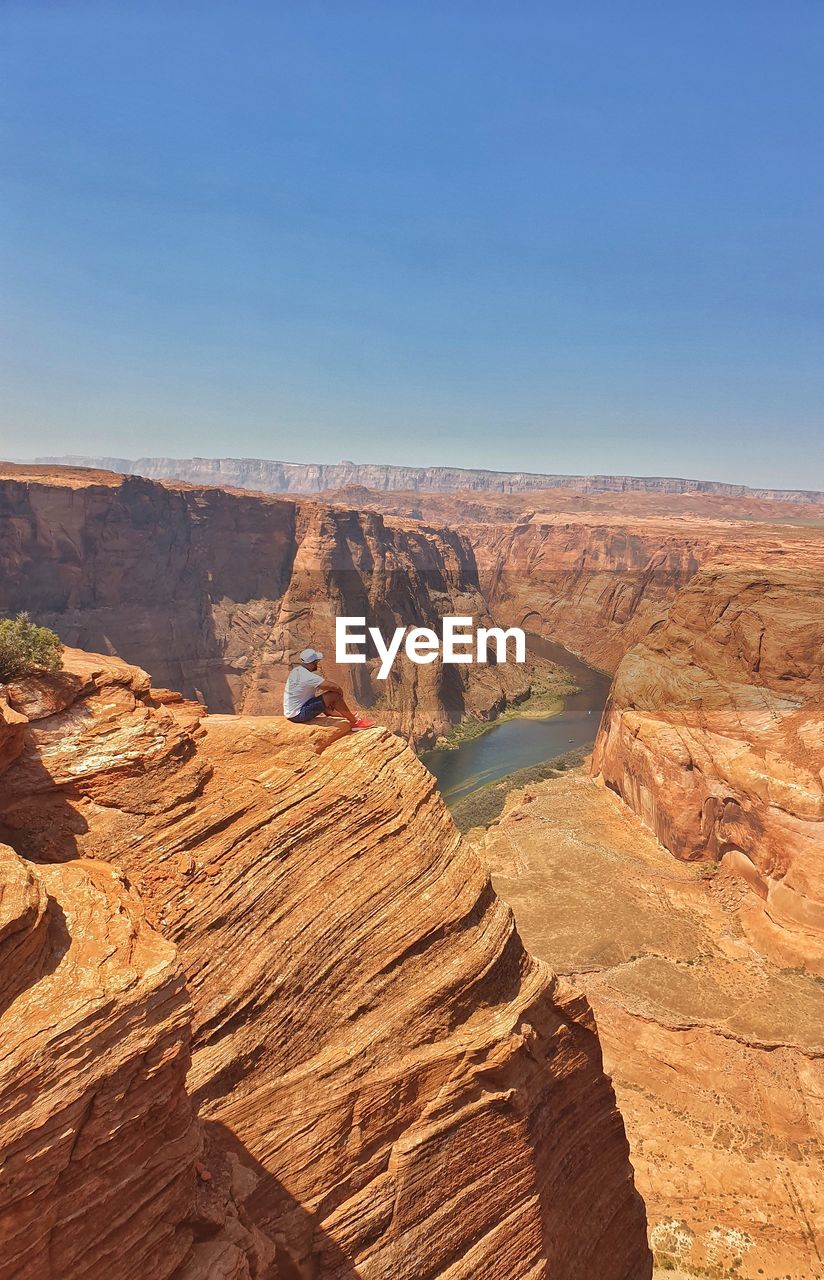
{"x": 310, "y": 655}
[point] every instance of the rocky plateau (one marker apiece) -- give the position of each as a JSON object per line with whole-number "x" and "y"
{"x": 301, "y": 477}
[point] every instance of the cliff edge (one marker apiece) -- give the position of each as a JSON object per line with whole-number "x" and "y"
{"x": 383, "y": 1082}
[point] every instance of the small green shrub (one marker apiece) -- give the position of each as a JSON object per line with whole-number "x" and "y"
{"x": 25, "y": 647}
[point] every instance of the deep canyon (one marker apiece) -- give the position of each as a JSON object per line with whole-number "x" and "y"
{"x": 257, "y": 986}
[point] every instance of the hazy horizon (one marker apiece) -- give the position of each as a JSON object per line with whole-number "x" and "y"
{"x": 550, "y": 241}
{"x": 83, "y": 459}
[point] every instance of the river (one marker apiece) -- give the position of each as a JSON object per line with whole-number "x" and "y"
{"x": 520, "y": 743}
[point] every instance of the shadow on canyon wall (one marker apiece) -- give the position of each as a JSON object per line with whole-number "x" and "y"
{"x": 17, "y": 978}
{"x": 303, "y": 1250}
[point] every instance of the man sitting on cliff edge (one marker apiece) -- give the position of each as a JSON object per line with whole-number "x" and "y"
{"x": 309, "y": 694}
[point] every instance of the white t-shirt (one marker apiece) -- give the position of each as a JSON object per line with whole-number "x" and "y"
{"x": 300, "y": 685}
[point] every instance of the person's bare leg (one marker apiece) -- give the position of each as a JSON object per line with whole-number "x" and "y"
{"x": 335, "y": 704}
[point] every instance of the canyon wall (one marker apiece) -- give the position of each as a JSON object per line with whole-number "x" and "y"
{"x": 714, "y": 736}
{"x": 461, "y": 508}
{"x": 387, "y": 1084}
{"x": 310, "y": 477}
{"x": 716, "y": 1052}
{"x": 593, "y": 586}
{"x": 599, "y": 584}
{"x": 215, "y": 593}
{"x": 97, "y": 1134}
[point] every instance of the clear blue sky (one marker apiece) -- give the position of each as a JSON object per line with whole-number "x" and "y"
{"x": 564, "y": 237}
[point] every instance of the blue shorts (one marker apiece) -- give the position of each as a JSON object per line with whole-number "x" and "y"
{"x": 312, "y": 707}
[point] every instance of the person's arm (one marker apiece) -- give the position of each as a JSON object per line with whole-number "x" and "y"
{"x": 329, "y": 686}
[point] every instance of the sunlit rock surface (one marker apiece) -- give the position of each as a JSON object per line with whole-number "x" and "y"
{"x": 97, "y": 1134}
{"x": 388, "y": 1085}
{"x": 714, "y": 736}
{"x": 716, "y": 1052}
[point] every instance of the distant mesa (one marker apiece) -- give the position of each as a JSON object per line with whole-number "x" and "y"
{"x": 269, "y": 476}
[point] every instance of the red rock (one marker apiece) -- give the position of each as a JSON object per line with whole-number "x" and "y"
{"x": 11, "y": 732}
{"x": 391, "y": 1084}
{"x": 716, "y": 1053}
{"x": 97, "y": 1133}
{"x": 216, "y": 592}
{"x": 714, "y": 735}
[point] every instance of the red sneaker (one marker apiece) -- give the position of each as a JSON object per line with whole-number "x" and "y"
{"x": 363, "y": 723}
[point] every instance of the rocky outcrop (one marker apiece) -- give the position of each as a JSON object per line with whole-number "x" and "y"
{"x": 214, "y": 593}
{"x": 98, "y": 1139}
{"x": 716, "y": 1053}
{"x": 391, "y": 1085}
{"x": 102, "y": 1171}
{"x": 310, "y": 477}
{"x": 714, "y": 736}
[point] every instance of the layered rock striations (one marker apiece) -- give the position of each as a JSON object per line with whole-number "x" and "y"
{"x": 599, "y": 582}
{"x": 270, "y": 476}
{"x": 702, "y": 976}
{"x": 716, "y": 1052}
{"x": 97, "y": 1134}
{"x": 387, "y": 1084}
{"x": 595, "y": 571}
{"x": 463, "y": 507}
{"x": 714, "y": 736}
{"x": 592, "y": 585}
{"x": 215, "y": 593}
{"x": 101, "y": 1150}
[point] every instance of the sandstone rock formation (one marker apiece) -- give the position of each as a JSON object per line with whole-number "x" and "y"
{"x": 595, "y": 571}
{"x": 306, "y": 477}
{"x": 239, "y": 838}
{"x": 214, "y": 593}
{"x": 97, "y": 1134}
{"x": 459, "y": 508}
{"x": 387, "y": 1084}
{"x": 716, "y": 1053}
{"x": 101, "y": 1150}
{"x": 598, "y": 583}
{"x": 699, "y": 975}
{"x": 592, "y": 585}
{"x": 714, "y": 736}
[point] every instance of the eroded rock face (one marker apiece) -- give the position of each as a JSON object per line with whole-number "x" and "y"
{"x": 598, "y": 583}
{"x": 716, "y": 1052}
{"x": 11, "y": 732}
{"x": 98, "y": 1138}
{"x": 594, "y": 586}
{"x": 395, "y": 1087}
{"x": 215, "y": 593}
{"x": 714, "y": 736}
